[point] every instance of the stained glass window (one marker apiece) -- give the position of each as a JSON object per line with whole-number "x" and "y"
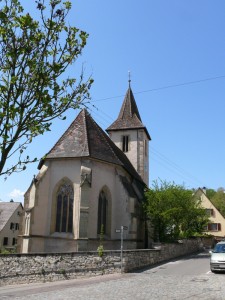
{"x": 102, "y": 212}
{"x": 64, "y": 210}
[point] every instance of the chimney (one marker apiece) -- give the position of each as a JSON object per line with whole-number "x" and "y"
{"x": 204, "y": 189}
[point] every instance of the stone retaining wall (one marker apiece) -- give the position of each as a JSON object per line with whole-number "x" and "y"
{"x": 163, "y": 252}
{"x": 26, "y": 268}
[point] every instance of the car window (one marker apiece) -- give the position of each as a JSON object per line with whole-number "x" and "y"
{"x": 219, "y": 248}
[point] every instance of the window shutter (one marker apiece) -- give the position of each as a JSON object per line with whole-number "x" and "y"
{"x": 219, "y": 227}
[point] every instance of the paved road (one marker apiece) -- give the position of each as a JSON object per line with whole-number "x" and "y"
{"x": 189, "y": 278}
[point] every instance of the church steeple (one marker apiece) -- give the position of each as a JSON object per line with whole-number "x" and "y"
{"x": 130, "y": 135}
{"x": 129, "y": 117}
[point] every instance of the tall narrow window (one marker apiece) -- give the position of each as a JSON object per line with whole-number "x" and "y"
{"x": 64, "y": 210}
{"x": 102, "y": 212}
{"x": 5, "y": 241}
{"x": 125, "y": 141}
{"x": 146, "y": 147}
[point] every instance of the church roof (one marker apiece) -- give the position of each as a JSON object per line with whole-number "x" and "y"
{"x": 84, "y": 138}
{"x": 129, "y": 117}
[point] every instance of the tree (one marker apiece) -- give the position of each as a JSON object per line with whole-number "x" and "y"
{"x": 174, "y": 212}
{"x": 218, "y": 200}
{"x": 34, "y": 55}
{"x": 210, "y": 193}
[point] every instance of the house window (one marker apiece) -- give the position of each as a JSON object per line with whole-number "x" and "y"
{"x": 102, "y": 212}
{"x": 12, "y": 226}
{"x": 17, "y": 226}
{"x": 14, "y": 241}
{"x": 214, "y": 227}
{"x": 64, "y": 211}
{"x": 5, "y": 241}
{"x": 209, "y": 212}
{"x": 125, "y": 141}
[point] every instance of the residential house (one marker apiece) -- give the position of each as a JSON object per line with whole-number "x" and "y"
{"x": 216, "y": 226}
{"x": 10, "y": 216}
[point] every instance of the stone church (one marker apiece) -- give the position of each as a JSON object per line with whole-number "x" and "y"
{"x": 90, "y": 180}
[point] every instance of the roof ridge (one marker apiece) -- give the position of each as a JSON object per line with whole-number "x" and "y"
{"x": 215, "y": 205}
{"x": 116, "y": 152}
{"x": 85, "y": 113}
{"x": 85, "y": 138}
{"x": 64, "y": 133}
{"x": 106, "y": 138}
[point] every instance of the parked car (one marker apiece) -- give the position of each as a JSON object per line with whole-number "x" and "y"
{"x": 217, "y": 259}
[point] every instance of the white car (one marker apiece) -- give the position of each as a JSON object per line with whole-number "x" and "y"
{"x": 217, "y": 259}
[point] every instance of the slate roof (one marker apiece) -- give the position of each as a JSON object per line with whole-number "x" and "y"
{"x": 129, "y": 117}
{"x": 128, "y": 186}
{"x": 85, "y": 138}
{"x": 6, "y": 211}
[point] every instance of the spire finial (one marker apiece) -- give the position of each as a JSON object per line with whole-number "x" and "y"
{"x": 129, "y": 76}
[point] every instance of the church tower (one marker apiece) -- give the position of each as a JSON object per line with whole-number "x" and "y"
{"x": 131, "y": 136}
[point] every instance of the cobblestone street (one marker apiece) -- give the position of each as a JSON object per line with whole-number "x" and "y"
{"x": 150, "y": 284}
{"x": 143, "y": 286}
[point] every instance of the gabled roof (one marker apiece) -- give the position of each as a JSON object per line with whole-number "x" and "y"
{"x": 84, "y": 138}
{"x": 6, "y": 211}
{"x": 129, "y": 117}
{"x": 201, "y": 191}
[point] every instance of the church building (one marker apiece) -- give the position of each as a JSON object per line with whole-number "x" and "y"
{"x": 90, "y": 181}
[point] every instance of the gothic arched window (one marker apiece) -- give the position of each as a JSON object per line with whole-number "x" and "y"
{"x": 64, "y": 209}
{"x": 102, "y": 212}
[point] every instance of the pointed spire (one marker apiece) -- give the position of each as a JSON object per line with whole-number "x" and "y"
{"x": 129, "y": 76}
{"x": 129, "y": 117}
{"x": 129, "y": 110}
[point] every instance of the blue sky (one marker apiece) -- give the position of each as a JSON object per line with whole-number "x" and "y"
{"x": 175, "y": 51}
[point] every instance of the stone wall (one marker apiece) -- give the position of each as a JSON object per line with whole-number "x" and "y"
{"x": 162, "y": 252}
{"x": 26, "y": 268}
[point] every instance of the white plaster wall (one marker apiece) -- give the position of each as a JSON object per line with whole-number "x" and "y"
{"x": 57, "y": 170}
{"x": 122, "y": 212}
{"x": 216, "y": 218}
{"x": 136, "y": 151}
{"x": 116, "y": 137}
{"x": 104, "y": 174}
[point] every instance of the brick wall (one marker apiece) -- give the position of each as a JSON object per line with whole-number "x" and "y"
{"x": 26, "y": 268}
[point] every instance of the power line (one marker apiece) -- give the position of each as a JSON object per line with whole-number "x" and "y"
{"x": 174, "y": 167}
{"x": 101, "y": 120}
{"x": 172, "y": 170}
{"x": 159, "y": 157}
{"x": 165, "y": 87}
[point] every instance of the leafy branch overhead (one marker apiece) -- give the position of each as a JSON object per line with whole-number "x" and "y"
{"x": 34, "y": 55}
